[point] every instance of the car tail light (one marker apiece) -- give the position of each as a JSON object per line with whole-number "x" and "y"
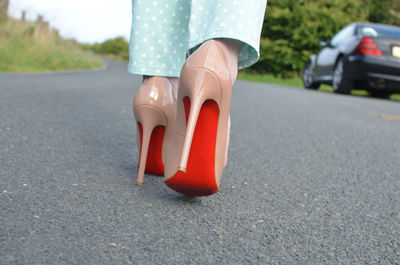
{"x": 367, "y": 46}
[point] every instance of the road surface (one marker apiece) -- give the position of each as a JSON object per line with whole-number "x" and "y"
{"x": 312, "y": 178}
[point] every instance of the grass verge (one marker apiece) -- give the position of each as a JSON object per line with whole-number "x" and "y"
{"x": 297, "y": 82}
{"x": 27, "y": 47}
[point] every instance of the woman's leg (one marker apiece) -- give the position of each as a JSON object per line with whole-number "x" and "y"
{"x": 231, "y": 48}
{"x": 158, "y": 48}
{"x": 224, "y": 36}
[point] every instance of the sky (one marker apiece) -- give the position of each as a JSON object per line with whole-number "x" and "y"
{"x": 87, "y": 21}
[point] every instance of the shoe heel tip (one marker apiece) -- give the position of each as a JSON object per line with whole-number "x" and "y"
{"x": 139, "y": 183}
{"x": 182, "y": 169}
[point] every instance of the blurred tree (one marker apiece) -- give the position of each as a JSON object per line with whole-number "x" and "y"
{"x": 292, "y": 28}
{"x": 117, "y": 46}
{"x": 385, "y": 11}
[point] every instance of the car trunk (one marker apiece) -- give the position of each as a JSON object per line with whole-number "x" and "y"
{"x": 390, "y": 48}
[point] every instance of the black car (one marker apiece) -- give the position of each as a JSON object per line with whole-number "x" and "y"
{"x": 361, "y": 56}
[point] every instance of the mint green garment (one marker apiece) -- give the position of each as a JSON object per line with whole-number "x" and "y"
{"x": 163, "y": 31}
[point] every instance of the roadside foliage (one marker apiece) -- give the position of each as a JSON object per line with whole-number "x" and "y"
{"x": 117, "y": 47}
{"x": 292, "y": 28}
{"x": 27, "y": 46}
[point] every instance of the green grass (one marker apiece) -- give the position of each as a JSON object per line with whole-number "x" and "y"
{"x": 267, "y": 78}
{"x": 297, "y": 82}
{"x": 24, "y": 47}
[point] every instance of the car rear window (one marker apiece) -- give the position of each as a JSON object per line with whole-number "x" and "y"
{"x": 379, "y": 31}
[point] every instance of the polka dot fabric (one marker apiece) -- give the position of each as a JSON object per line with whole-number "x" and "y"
{"x": 163, "y": 31}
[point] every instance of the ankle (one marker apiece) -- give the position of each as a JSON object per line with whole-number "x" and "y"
{"x": 231, "y": 48}
{"x": 173, "y": 80}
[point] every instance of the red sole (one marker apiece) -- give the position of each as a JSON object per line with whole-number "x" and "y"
{"x": 199, "y": 178}
{"x": 154, "y": 163}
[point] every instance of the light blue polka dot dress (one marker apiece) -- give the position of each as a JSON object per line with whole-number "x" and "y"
{"x": 163, "y": 31}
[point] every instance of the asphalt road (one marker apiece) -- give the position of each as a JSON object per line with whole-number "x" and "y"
{"x": 312, "y": 178}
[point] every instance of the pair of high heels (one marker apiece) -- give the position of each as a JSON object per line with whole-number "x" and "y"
{"x": 184, "y": 135}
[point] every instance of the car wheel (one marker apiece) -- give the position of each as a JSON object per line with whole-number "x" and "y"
{"x": 308, "y": 80}
{"x": 340, "y": 83}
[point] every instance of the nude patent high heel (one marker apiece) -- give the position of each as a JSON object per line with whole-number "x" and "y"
{"x": 196, "y": 158}
{"x": 154, "y": 107}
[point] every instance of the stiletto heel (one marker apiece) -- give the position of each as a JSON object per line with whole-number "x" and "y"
{"x": 196, "y": 157}
{"x": 193, "y": 116}
{"x": 155, "y": 110}
{"x": 198, "y": 86}
{"x": 148, "y": 119}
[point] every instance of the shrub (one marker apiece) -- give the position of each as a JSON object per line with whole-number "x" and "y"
{"x": 117, "y": 46}
{"x": 292, "y": 29}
